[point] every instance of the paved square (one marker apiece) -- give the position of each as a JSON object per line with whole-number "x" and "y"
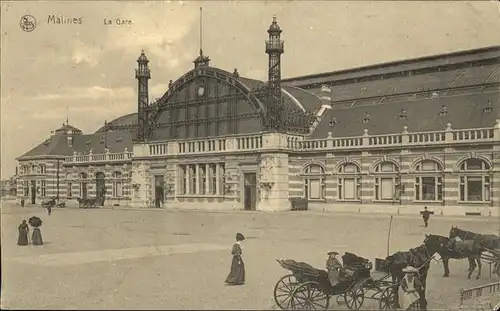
{"x": 156, "y": 259}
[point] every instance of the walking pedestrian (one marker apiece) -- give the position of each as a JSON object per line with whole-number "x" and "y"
{"x": 49, "y": 210}
{"x": 425, "y": 215}
{"x": 24, "y": 231}
{"x": 237, "y": 274}
{"x": 22, "y": 202}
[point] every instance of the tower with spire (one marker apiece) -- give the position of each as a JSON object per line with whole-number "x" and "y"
{"x": 142, "y": 74}
{"x": 274, "y": 48}
{"x": 201, "y": 61}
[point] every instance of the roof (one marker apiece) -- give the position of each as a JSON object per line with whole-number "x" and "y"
{"x": 492, "y": 52}
{"x": 127, "y": 119}
{"x": 436, "y": 80}
{"x": 57, "y": 145}
{"x": 463, "y": 111}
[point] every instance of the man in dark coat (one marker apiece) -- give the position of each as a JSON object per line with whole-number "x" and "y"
{"x": 425, "y": 215}
{"x": 24, "y": 231}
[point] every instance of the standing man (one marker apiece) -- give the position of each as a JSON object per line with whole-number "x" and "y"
{"x": 333, "y": 266}
{"x": 22, "y": 202}
{"x": 425, "y": 215}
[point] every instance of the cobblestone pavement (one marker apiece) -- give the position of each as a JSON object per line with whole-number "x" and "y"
{"x": 156, "y": 259}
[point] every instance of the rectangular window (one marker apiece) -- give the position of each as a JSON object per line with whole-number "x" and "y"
{"x": 386, "y": 188}
{"x": 43, "y": 188}
{"x": 192, "y": 179}
{"x": 474, "y": 188}
{"x": 117, "y": 189}
{"x": 428, "y": 188}
{"x": 222, "y": 178}
{"x": 213, "y": 178}
{"x": 68, "y": 190}
{"x": 183, "y": 179}
{"x": 203, "y": 179}
{"x": 314, "y": 189}
{"x": 348, "y": 189}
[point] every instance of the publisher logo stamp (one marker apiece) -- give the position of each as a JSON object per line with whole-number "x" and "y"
{"x": 28, "y": 23}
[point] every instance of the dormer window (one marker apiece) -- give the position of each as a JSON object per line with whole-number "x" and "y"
{"x": 88, "y": 142}
{"x": 488, "y": 107}
{"x": 403, "y": 115}
{"x": 332, "y": 122}
{"x": 119, "y": 139}
{"x": 366, "y": 118}
{"x": 444, "y": 111}
{"x": 434, "y": 94}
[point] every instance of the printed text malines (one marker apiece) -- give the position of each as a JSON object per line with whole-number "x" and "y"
{"x": 64, "y": 20}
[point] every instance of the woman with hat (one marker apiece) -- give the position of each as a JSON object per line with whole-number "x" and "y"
{"x": 333, "y": 266}
{"x": 237, "y": 274}
{"x": 24, "y": 231}
{"x": 410, "y": 284}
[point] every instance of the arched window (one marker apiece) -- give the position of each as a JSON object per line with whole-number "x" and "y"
{"x": 386, "y": 181}
{"x": 314, "y": 182}
{"x": 26, "y": 188}
{"x": 43, "y": 169}
{"x": 349, "y": 183}
{"x": 69, "y": 185}
{"x": 117, "y": 185}
{"x": 83, "y": 175}
{"x": 474, "y": 180}
{"x": 429, "y": 185}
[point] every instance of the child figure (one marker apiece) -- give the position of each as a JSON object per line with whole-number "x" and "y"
{"x": 333, "y": 266}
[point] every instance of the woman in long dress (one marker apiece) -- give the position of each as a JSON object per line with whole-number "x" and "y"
{"x": 36, "y": 238}
{"x": 237, "y": 274}
{"x": 24, "y": 231}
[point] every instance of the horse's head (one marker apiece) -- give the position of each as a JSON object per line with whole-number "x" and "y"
{"x": 434, "y": 243}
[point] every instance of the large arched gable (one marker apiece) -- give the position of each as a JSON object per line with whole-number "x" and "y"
{"x": 215, "y": 73}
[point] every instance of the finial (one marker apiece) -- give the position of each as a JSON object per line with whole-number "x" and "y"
{"x": 142, "y": 51}
{"x": 274, "y": 18}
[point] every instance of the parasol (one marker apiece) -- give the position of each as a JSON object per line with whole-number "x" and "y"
{"x": 35, "y": 221}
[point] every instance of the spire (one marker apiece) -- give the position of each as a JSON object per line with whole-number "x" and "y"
{"x": 67, "y": 115}
{"x": 201, "y": 60}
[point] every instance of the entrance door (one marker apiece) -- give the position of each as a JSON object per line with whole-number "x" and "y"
{"x": 33, "y": 192}
{"x": 159, "y": 190}
{"x": 100, "y": 188}
{"x": 84, "y": 190}
{"x": 250, "y": 191}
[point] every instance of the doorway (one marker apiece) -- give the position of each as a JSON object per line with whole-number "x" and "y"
{"x": 159, "y": 190}
{"x": 84, "y": 190}
{"x": 100, "y": 188}
{"x": 33, "y": 192}
{"x": 250, "y": 191}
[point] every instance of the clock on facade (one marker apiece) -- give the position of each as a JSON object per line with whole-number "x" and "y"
{"x": 201, "y": 91}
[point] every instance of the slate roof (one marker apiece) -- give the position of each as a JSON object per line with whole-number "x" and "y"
{"x": 473, "y": 75}
{"x": 492, "y": 52}
{"x": 464, "y": 111}
{"x": 127, "y": 119}
{"x": 57, "y": 144}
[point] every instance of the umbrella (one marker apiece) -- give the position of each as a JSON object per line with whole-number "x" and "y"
{"x": 35, "y": 221}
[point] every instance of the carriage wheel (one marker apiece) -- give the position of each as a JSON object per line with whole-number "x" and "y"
{"x": 388, "y": 299}
{"x": 354, "y": 298}
{"x": 414, "y": 306}
{"x": 283, "y": 291}
{"x": 309, "y": 296}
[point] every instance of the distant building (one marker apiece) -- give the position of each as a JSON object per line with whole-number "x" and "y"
{"x": 393, "y": 136}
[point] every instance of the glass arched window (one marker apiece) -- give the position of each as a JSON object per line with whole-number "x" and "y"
{"x": 349, "y": 182}
{"x": 429, "y": 183}
{"x": 314, "y": 182}
{"x": 474, "y": 180}
{"x": 386, "y": 181}
{"x": 117, "y": 185}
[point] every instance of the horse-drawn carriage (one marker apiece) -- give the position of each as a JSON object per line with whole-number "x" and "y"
{"x": 87, "y": 203}
{"x": 308, "y": 288}
{"x": 52, "y": 202}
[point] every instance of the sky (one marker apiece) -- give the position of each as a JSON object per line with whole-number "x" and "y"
{"x": 85, "y": 72}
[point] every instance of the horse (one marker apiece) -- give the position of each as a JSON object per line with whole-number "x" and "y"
{"x": 418, "y": 257}
{"x": 474, "y": 245}
{"x": 489, "y": 241}
{"x": 466, "y": 249}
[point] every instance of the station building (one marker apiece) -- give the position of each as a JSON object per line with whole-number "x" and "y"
{"x": 391, "y": 137}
